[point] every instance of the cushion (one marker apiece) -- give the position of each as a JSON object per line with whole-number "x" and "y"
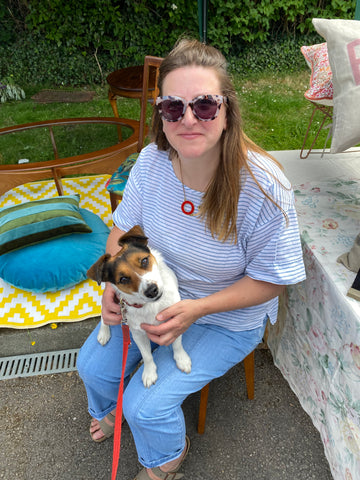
{"x": 57, "y": 263}
{"x": 33, "y": 222}
{"x": 117, "y": 182}
{"x": 343, "y": 43}
{"x": 321, "y": 86}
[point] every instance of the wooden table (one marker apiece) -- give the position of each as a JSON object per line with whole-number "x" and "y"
{"x": 105, "y": 160}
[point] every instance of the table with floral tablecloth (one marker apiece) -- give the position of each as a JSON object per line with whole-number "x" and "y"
{"x": 316, "y": 341}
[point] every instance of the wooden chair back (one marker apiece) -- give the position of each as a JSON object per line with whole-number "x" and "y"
{"x": 149, "y": 62}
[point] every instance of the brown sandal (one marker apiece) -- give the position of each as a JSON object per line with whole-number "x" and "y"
{"x": 107, "y": 430}
{"x": 143, "y": 475}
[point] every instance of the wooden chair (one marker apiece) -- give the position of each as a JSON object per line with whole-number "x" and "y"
{"x": 249, "y": 364}
{"x": 150, "y": 63}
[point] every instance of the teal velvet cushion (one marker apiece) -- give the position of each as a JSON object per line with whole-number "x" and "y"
{"x": 117, "y": 182}
{"x": 58, "y": 263}
{"x": 33, "y": 222}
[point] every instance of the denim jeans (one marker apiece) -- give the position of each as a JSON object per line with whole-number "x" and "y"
{"x": 154, "y": 414}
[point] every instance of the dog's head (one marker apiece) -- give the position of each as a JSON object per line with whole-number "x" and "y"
{"x": 133, "y": 271}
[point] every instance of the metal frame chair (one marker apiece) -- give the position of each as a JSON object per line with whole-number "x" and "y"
{"x": 327, "y": 111}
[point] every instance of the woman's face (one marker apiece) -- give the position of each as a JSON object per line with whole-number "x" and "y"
{"x": 192, "y": 138}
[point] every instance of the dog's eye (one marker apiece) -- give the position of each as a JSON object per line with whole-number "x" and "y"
{"x": 144, "y": 262}
{"x": 124, "y": 280}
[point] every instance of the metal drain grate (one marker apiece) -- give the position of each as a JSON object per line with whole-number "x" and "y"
{"x": 38, "y": 364}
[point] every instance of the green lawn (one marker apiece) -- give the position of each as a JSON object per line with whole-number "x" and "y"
{"x": 275, "y": 115}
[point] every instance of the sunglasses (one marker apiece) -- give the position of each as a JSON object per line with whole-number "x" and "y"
{"x": 203, "y": 107}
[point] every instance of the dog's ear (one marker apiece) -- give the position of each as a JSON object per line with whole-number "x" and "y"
{"x": 97, "y": 271}
{"x": 136, "y": 234}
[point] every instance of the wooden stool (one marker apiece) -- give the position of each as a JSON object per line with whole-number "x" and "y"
{"x": 249, "y": 364}
{"x": 128, "y": 82}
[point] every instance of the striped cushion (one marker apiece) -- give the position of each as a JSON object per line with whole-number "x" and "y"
{"x": 117, "y": 182}
{"x": 34, "y": 222}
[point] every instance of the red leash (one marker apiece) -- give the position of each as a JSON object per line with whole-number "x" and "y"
{"x": 118, "y": 416}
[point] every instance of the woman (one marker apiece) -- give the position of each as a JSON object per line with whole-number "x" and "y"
{"x": 222, "y": 214}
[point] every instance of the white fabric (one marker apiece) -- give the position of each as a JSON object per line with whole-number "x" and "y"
{"x": 343, "y": 43}
{"x": 266, "y": 249}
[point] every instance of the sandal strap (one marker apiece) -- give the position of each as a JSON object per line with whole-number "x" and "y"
{"x": 166, "y": 475}
{"x": 143, "y": 475}
{"x": 105, "y": 427}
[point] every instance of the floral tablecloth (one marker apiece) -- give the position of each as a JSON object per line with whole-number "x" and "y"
{"x": 316, "y": 341}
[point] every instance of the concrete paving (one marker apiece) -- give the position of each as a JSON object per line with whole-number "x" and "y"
{"x": 44, "y": 431}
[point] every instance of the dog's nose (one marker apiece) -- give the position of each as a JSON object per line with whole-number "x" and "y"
{"x": 152, "y": 291}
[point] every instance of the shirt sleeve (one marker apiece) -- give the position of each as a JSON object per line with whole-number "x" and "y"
{"x": 274, "y": 252}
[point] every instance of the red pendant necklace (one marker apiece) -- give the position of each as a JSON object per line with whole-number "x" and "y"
{"x": 187, "y": 207}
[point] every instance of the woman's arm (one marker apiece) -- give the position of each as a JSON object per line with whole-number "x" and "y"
{"x": 177, "y": 318}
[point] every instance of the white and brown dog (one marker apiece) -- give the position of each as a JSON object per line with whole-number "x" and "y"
{"x": 145, "y": 285}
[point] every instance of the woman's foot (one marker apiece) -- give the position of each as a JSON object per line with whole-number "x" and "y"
{"x": 100, "y": 430}
{"x": 159, "y": 473}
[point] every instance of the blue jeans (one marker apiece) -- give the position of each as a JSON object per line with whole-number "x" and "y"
{"x": 154, "y": 414}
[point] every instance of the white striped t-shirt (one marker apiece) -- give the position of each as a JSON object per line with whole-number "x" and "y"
{"x": 266, "y": 248}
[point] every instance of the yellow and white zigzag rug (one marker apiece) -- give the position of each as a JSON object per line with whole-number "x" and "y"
{"x": 21, "y": 309}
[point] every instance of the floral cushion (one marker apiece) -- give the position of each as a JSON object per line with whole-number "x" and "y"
{"x": 117, "y": 182}
{"x": 343, "y": 43}
{"x": 321, "y": 86}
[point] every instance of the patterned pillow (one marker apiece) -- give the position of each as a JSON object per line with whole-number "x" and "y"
{"x": 118, "y": 180}
{"x": 343, "y": 43}
{"x": 57, "y": 263}
{"x": 321, "y": 86}
{"x": 37, "y": 221}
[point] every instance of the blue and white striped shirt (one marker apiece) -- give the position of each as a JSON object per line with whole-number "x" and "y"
{"x": 266, "y": 248}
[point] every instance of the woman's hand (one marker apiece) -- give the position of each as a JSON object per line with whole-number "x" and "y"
{"x": 175, "y": 321}
{"x": 110, "y": 310}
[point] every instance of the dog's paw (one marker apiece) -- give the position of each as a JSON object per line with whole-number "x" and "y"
{"x": 149, "y": 375}
{"x": 103, "y": 335}
{"x": 183, "y": 361}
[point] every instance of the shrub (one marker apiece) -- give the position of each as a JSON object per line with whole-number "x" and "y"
{"x": 10, "y": 91}
{"x": 78, "y": 43}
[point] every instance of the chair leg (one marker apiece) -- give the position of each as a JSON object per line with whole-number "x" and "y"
{"x": 114, "y": 200}
{"x": 202, "y": 409}
{"x": 249, "y": 364}
{"x": 327, "y": 112}
{"x": 112, "y": 99}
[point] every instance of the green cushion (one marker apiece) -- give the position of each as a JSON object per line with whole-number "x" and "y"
{"x": 117, "y": 182}
{"x": 34, "y": 222}
{"x": 57, "y": 263}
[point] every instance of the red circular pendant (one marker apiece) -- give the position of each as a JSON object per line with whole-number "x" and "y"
{"x": 187, "y": 207}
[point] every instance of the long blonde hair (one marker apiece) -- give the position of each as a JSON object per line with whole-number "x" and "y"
{"x": 220, "y": 201}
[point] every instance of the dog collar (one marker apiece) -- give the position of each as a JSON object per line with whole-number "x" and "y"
{"x": 135, "y": 305}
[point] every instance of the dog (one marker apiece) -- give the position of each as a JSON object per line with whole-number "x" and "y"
{"x": 145, "y": 285}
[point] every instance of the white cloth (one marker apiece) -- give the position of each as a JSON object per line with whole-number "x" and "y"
{"x": 267, "y": 249}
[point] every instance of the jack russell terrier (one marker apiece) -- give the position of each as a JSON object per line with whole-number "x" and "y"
{"x": 145, "y": 285}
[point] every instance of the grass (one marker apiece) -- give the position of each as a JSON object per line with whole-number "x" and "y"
{"x": 275, "y": 115}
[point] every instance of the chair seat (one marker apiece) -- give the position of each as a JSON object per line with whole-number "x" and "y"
{"x": 117, "y": 182}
